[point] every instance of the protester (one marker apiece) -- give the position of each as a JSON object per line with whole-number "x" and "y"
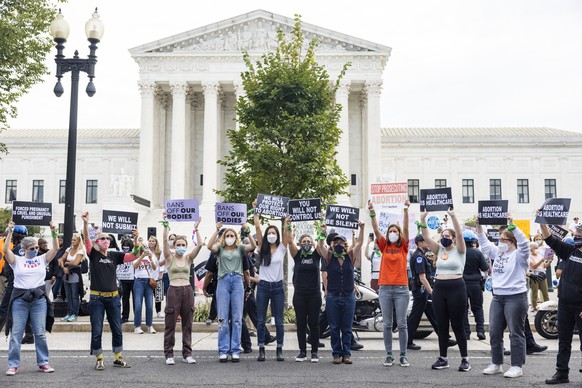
{"x": 537, "y": 266}
{"x": 29, "y": 299}
{"x": 70, "y": 264}
{"x": 51, "y": 268}
{"x": 393, "y": 281}
{"x": 145, "y": 263}
{"x": 375, "y": 257}
{"x": 126, "y": 275}
{"x": 475, "y": 265}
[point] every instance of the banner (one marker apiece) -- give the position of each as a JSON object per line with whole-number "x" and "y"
{"x": 305, "y": 209}
{"x": 558, "y": 231}
{"x": 272, "y": 205}
{"x": 342, "y": 216}
{"x": 118, "y": 222}
{"x": 230, "y": 213}
{"x": 492, "y": 212}
{"x": 31, "y": 213}
{"x": 554, "y": 212}
{"x": 182, "y": 210}
{"x": 436, "y": 199}
{"x": 388, "y": 195}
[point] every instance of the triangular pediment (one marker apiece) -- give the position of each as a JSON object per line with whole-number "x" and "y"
{"x": 255, "y": 32}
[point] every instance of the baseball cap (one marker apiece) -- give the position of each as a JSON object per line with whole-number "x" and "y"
{"x": 418, "y": 239}
{"x": 339, "y": 237}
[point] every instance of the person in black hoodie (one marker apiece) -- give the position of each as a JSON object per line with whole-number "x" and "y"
{"x": 569, "y": 298}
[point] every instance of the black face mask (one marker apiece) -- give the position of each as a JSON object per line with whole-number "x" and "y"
{"x": 446, "y": 242}
{"x": 125, "y": 248}
{"x": 578, "y": 241}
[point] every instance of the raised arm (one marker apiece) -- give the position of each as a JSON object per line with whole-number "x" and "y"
{"x": 405, "y": 235}
{"x": 461, "y": 247}
{"x": 86, "y": 239}
{"x": 194, "y": 252}
{"x": 320, "y": 246}
{"x": 374, "y": 219}
{"x": 55, "y": 235}
{"x": 432, "y": 245}
{"x": 357, "y": 248}
{"x": 287, "y": 231}
{"x": 165, "y": 245}
{"x": 252, "y": 245}
{"x": 212, "y": 242}
{"x": 10, "y": 258}
{"x": 293, "y": 248}
{"x": 257, "y": 221}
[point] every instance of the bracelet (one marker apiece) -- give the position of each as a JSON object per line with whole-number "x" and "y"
{"x": 289, "y": 228}
{"x": 421, "y": 225}
{"x": 165, "y": 224}
{"x": 511, "y": 227}
{"x": 372, "y": 214}
{"x": 55, "y": 234}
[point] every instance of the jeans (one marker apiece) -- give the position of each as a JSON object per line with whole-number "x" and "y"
{"x": 57, "y": 287}
{"x": 274, "y": 292}
{"x": 420, "y": 305}
{"x": 307, "y": 307}
{"x": 568, "y": 315}
{"x": 72, "y": 294}
{"x": 394, "y": 297}
{"x": 179, "y": 300}
{"x": 98, "y": 306}
{"x": 475, "y": 297}
{"x": 508, "y": 310}
{"x": 21, "y": 312}
{"x": 230, "y": 293}
{"x": 127, "y": 287}
{"x": 449, "y": 301}
{"x": 141, "y": 290}
{"x": 340, "y": 315}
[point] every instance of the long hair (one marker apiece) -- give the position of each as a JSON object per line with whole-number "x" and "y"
{"x": 157, "y": 251}
{"x": 81, "y": 246}
{"x": 223, "y": 237}
{"x": 265, "y": 252}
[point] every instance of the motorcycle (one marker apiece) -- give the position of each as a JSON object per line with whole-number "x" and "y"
{"x": 546, "y": 320}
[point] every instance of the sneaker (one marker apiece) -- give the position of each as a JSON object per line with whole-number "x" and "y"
{"x": 493, "y": 369}
{"x": 11, "y": 371}
{"x": 404, "y": 361}
{"x": 235, "y": 358}
{"x": 247, "y": 350}
{"x": 558, "y": 378}
{"x": 314, "y": 357}
{"x": 223, "y": 358}
{"x": 120, "y": 363}
{"x": 46, "y": 368}
{"x": 138, "y": 330}
{"x": 481, "y": 336}
{"x": 170, "y": 361}
{"x": 441, "y": 363}
{"x": 189, "y": 360}
{"x": 99, "y": 365}
{"x": 412, "y": 346}
{"x": 161, "y": 314}
{"x": 301, "y": 357}
{"x": 270, "y": 339}
{"x": 151, "y": 330}
{"x": 347, "y": 360}
{"x": 209, "y": 322}
{"x": 451, "y": 342}
{"x": 336, "y": 360}
{"x": 72, "y": 318}
{"x": 514, "y": 371}
{"x": 465, "y": 366}
{"x": 28, "y": 339}
{"x": 389, "y": 361}
{"x": 535, "y": 349}
{"x": 65, "y": 318}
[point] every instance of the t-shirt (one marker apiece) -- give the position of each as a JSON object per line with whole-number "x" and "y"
{"x": 73, "y": 276}
{"x": 393, "y": 265}
{"x": 141, "y": 272}
{"x": 376, "y": 259}
{"x": 230, "y": 261}
{"x": 29, "y": 273}
{"x": 306, "y": 272}
{"x": 274, "y": 271}
{"x": 103, "y": 269}
{"x": 450, "y": 262}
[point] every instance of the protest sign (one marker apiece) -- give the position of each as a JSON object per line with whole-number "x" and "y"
{"x": 305, "y": 209}
{"x": 31, "y": 213}
{"x": 125, "y": 271}
{"x": 182, "y": 210}
{"x": 388, "y": 195}
{"x": 558, "y": 231}
{"x": 433, "y": 222}
{"x": 436, "y": 199}
{"x": 492, "y": 212}
{"x": 494, "y": 234}
{"x": 303, "y": 227}
{"x": 272, "y": 205}
{"x": 342, "y": 216}
{"x": 230, "y": 213}
{"x": 387, "y": 219}
{"x": 524, "y": 226}
{"x": 554, "y": 211}
{"x": 118, "y": 222}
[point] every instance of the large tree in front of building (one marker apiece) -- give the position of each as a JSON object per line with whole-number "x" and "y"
{"x": 24, "y": 45}
{"x": 288, "y": 132}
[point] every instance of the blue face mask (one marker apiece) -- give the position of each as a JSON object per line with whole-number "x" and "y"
{"x": 180, "y": 251}
{"x": 446, "y": 242}
{"x": 339, "y": 249}
{"x": 31, "y": 254}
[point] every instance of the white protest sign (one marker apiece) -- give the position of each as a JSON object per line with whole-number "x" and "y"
{"x": 389, "y": 195}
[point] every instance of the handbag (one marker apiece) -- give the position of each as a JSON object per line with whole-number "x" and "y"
{"x": 153, "y": 282}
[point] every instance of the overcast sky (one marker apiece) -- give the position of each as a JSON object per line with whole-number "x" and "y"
{"x": 454, "y": 63}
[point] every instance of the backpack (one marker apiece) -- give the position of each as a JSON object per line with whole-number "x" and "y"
{"x": 84, "y": 265}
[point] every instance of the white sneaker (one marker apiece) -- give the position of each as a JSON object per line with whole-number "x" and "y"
{"x": 514, "y": 371}
{"x": 138, "y": 330}
{"x": 161, "y": 314}
{"x": 189, "y": 360}
{"x": 170, "y": 361}
{"x": 493, "y": 369}
{"x": 151, "y": 330}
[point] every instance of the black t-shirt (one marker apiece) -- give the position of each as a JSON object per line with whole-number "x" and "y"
{"x": 474, "y": 264}
{"x": 306, "y": 272}
{"x": 420, "y": 264}
{"x": 103, "y": 270}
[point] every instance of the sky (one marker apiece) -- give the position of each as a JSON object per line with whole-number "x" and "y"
{"x": 454, "y": 63}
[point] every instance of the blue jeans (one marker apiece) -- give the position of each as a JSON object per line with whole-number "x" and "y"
{"x": 340, "y": 314}
{"x": 21, "y": 311}
{"x": 72, "y": 294}
{"x": 394, "y": 297}
{"x": 98, "y": 306}
{"x": 274, "y": 292}
{"x": 141, "y": 290}
{"x": 230, "y": 298}
{"x": 510, "y": 311}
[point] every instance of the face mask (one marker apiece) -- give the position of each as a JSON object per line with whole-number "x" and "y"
{"x": 578, "y": 241}
{"x": 339, "y": 249}
{"x": 306, "y": 247}
{"x": 125, "y": 249}
{"x": 446, "y": 242}
{"x": 538, "y": 252}
{"x": 180, "y": 251}
{"x": 31, "y": 254}
{"x": 229, "y": 241}
{"x": 272, "y": 238}
{"x": 540, "y": 242}
{"x": 171, "y": 243}
{"x": 103, "y": 244}
{"x": 503, "y": 247}
{"x": 393, "y": 237}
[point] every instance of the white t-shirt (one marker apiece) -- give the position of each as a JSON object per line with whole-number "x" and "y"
{"x": 274, "y": 271}
{"x": 142, "y": 269}
{"x": 29, "y": 273}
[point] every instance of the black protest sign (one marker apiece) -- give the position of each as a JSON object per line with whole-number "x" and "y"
{"x": 342, "y": 216}
{"x": 558, "y": 231}
{"x": 436, "y": 199}
{"x": 554, "y": 212}
{"x": 494, "y": 235}
{"x": 118, "y": 222}
{"x": 31, "y": 213}
{"x": 272, "y": 205}
{"x": 492, "y": 212}
{"x": 305, "y": 209}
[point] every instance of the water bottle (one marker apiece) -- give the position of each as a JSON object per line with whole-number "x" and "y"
{"x": 489, "y": 284}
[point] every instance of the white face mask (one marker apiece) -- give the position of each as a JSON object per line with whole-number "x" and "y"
{"x": 503, "y": 247}
{"x": 272, "y": 238}
{"x": 229, "y": 241}
{"x": 540, "y": 242}
{"x": 393, "y": 237}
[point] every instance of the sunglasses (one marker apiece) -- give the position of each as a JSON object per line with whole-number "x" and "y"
{"x": 32, "y": 249}
{"x": 103, "y": 238}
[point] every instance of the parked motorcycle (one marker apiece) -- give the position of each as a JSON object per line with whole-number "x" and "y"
{"x": 546, "y": 320}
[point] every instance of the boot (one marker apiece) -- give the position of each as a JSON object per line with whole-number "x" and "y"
{"x": 27, "y": 339}
{"x": 356, "y": 345}
{"x": 261, "y": 354}
{"x": 280, "y": 354}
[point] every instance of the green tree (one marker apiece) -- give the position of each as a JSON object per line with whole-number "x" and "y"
{"x": 24, "y": 45}
{"x": 286, "y": 144}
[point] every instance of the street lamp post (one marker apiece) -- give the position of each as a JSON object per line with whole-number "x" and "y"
{"x": 59, "y": 30}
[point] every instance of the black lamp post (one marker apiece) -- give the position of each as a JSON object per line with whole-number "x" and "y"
{"x": 59, "y": 30}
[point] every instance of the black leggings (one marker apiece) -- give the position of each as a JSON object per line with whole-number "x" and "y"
{"x": 449, "y": 300}
{"x": 307, "y": 307}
